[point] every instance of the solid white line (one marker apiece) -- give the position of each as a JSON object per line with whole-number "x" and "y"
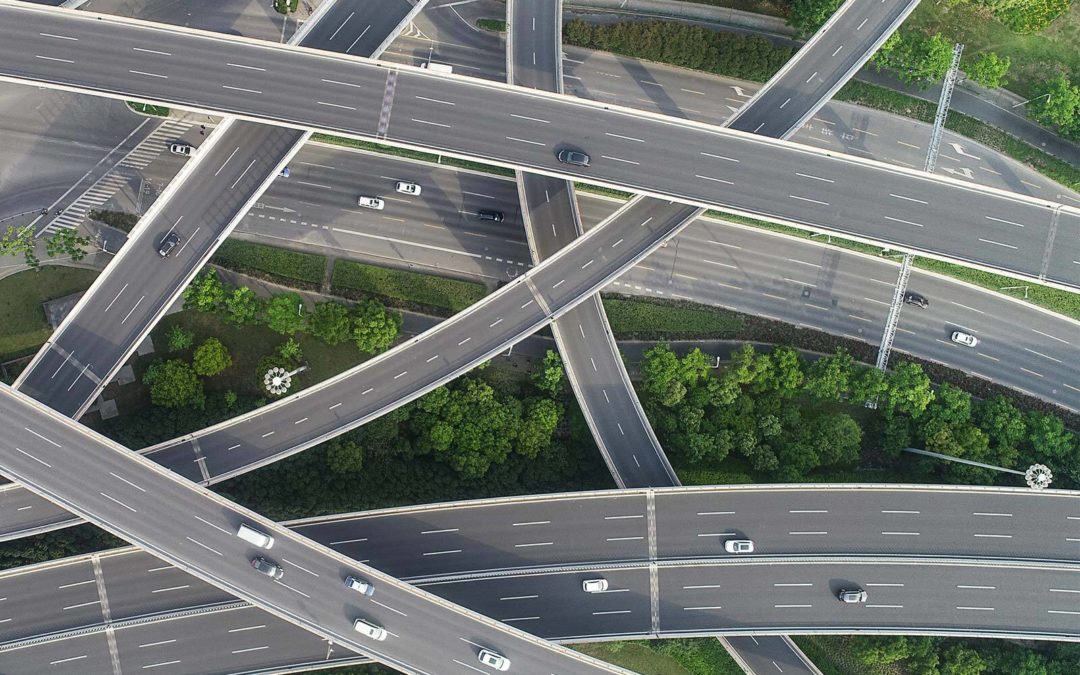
{"x": 702, "y": 608}
{"x": 531, "y": 119}
{"x": 250, "y": 649}
{"x": 77, "y": 583}
{"x": 519, "y": 597}
{"x": 82, "y": 604}
{"x": 51, "y": 58}
{"x": 456, "y": 550}
{"x": 910, "y": 534}
{"x": 139, "y": 72}
{"x": 625, "y": 138}
{"x": 993, "y": 536}
{"x": 150, "y": 51}
{"x": 978, "y": 588}
{"x": 998, "y": 243}
{"x": 114, "y": 499}
{"x": 806, "y": 175}
{"x": 808, "y": 532}
{"x": 434, "y": 124}
{"x": 1064, "y": 590}
{"x": 910, "y": 199}
{"x": 436, "y": 100}
{"x": 127, "y": 481}
{"x": 539, "y": 543}
{"x": 60, "y": 37}
{"x": 613, "y": 611}
{"x": 47, "y": 440}
{"x": 807, "y": 511}
{"x": 790, "y": 606}
{"x": 335, "y": 105}
{"x": 246, "y": 91}
{"x": 155, "y": 644}
{"x": 522, "y": 140}
{"x": 901, "y": 220}
{"x": 807, "y": 199}
{"x": 171, "y": 588}
{"x": 216, "y": 527}
{"x": 979, "y": 609}
{"x": 1060, "y": 611}
{"x": 726, "y": 159}
{"x": 245, "y": 628}
{"x": 73, "y": 658}
{"x": 531, "y": 522}
{"x": 1002, "y": 220}
{"x": 203, "y": 545}
{"x": 240, "y": 65}
{"x": 989, "y": 513}
{"x": 715, "y": 180}
{"x": 34, "y": 458}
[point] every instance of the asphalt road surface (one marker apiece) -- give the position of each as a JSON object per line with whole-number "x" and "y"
{"x": 839, "y": 193}
{"x": 159, "y": 511}
{"x": 202, "y": 206}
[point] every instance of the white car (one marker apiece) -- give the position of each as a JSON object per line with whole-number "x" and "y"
{"x": 965, "y": 339}
{"x": 852, "y": 595}
{"x": 407, "y": 188}
{"x": 371, "y": 203}
{"x": 182, "y": 149}
{"x": 739, "y": 546}
{"x": 594, "y": 585}
{"x": 369, "y": 629}
{"x": 359, "y": 585}
{"x": 493, "y": 660}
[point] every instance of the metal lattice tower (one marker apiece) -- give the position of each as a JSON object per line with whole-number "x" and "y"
{"x": 931, "y": 161}
{"x": 943, "y": 108}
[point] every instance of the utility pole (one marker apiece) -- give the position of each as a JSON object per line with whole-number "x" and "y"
{"x": 931, "y": 161}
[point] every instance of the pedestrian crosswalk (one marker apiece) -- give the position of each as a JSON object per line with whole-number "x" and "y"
{"x": 105, "y": 187}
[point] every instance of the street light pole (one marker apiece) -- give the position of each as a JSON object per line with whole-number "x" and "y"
{"x": 1037, "y": 476}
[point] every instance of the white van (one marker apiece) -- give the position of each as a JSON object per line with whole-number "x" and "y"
{"x": 437, "y": 67}
{"x": 255, "y": 537}
{"x": 369, "y": 629}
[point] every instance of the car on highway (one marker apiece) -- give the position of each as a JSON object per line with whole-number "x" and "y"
{"x": 369, "y": 629}
{"x": 916, "y": 299}
{"x": 267, "y": 567}
{"x": 966, "y": 339}
{"x": 493, "y": 660}
{"x": 253, "y": 536}
{"x": 851, "y": 595}
{"x": 184, "y": 149}
{"x": 284, "y": 173}
{"x": 573, "y": 157}
{"x": 490, "y": 214}
{"x": 370, "y": 203}
{"x": 359, "y": 585}
{"x": 739, "y": 546}
{"x": 594, "y": 585}
{"x": 407, "y": 188}
{"x": 171, "y": 241}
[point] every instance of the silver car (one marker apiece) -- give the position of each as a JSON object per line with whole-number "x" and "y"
{"x": 267, "y": 567}
{"x": 966, "y": 339}
{"x": 852, "y": 595}
{"x": 360, "y": 586}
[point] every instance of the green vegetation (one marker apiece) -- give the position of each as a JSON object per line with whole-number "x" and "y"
{"x": 987, "y": 69}
{"x": 118, "y": 219}
{"x": 283, "y": 266}
{"x": 374, "y": 326}
{"x": 147, "y": 109}
{"x": 697, "y": 656}
{"x": 286, "y": 6}
{"x": 673, "y": 319}
{"x": 174, "y": 384}
{"x": 211, "y": 357}
{"x": 67, "y": 242}
{"x": 493, "y": 25}
{"x": 180, "y": 338}
{"x": 285, "y": 313}
{"x": 402, "y": 288}
{"x": 21, "y": 315}
{"x": 781, "y": 419}
{"x": 550, "y": 377}
{"x": 19, "y": 240}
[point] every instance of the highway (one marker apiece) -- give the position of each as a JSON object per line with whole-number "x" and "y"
{"x": 229, "y": 172}
{"x": 549, "y": 208}
{"x": 159, "y": 511}
{"x": 842, "y": 194}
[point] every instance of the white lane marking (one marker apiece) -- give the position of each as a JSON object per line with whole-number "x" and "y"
{"x": 140, "y": 72}
{"x": 227, "y": 160}
{"x": 624, "y": 538}
{"x": 243, "y": 89}
{"x": 715, "y": 180}
{"x": 240, "y": 65}
{"x": 47, "y": 440}
{"x": 396, "y": 611}
{"x": 250, "y": 649}
{"x": 77, "y": 583}
{"x": 807, "y": 199}
{"x": 344, "y": 84}
{"x": 299, "y": 567}
{"x": 436, "y": 100}
{"x": 717, "y": 534}
{"x": 625, "y": 138}
{"x": 59, "y": 37}
{"x": 348, "y": 541}
{"x": 433, "y": 124}
{"x": 1042, "y": 355}
{"x": 715, "y": 513}
{"x": 726, "y": 159}
{"x": 238, "y": 179}
{"x": 216, "y": 527}
{"x": 171, "y": 588}
{"x": 428, "y": 361}
{"x": 972, "y": 309}
{"x": 1002, "y": 220}
{"x": 151, "y": 51}
{"x": 887, "y": 606}
{"x": 464, "y": 341}
{"x": 246, "y": 628}
{"x": 991, "y": 513}
{"x": 977, "y": 588}
{"x": 1031, "y": 372}
{"x": 519, "y": 597}
{"x": 61, "y": 366}
{"x": 531, "y": 522}
{"x": 909, "y": 199}
{"x": 127, "y": 481}
{"x": 998, "y": 243}
{"x": 704, "y": 608}
{"x": 539, "y": 543}
{"x": 193, "y": 541}
{"x": 792, "y": 585}
{"x": 132, "y": 310}
{"x": 888, "y": 585}
{"x": 901, "y": 220}
{"x": 1061, "y": 611}
{"x": 107, "y": 308}
{"x": 838, "y": 50}
{"x": 806, "y": 175}
{"x": 42, "y": 462}
{"x": 807, "y": 532}
{"x": 807, "y": 511}
{"x": 52, "y": 58}
{"x": 455, "y": 550}
{"x": 73, "y": 658}
{"x": 335, "y": 105}
{"x": 300, "y": 421}
{"x": 318, "y": 185}
{"x": 1050, "y": 336}
{"x": 523, "y": 140}
{"x": 155, "y": 644}
{"x": 791, "y": 606}
{"x": 977, "y": 609}
{"x": 531, "y": 119}
{"x": 612, "y": 611}
{"x": 334, "y": 406}
{"x": 994, "y": 536}
{"x": 619, "y": 159}
{"x": 82, "y": 604}
{"x": 294, "y": 590}
{"x": 906, "y": 534}
{"x": 443, "y": 531}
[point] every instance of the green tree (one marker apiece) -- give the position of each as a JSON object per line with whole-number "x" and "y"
{"x": 835, "y": 437}
{"x": 781, "y": 372}
{"x": 344, "y": 455}
{"x": 809, "y": 15}
{"x": 541, "y": 419}
{"x": 242, "y": 306}
{"x": 1057, "y": 102}
{"x": 989, "y": 70}
{"x": 179, "y": 338}
{"x": 290, "y": 351}
{"x": 19, "y": 241}
{"x": 174, "y": 384}
{"x": 908, "y": 389}
{"x": 67, "y": 242}
{"x": 915, "y": 57}
{"x": 211, "y": 357}
{"x": 330, "y": 322}
{"x": 961, "y": 660}
{"x": 374, "y": 327}
{"x": 285, "y": 313}
{"x": 205, "y": 293}
{"x": 829, "y": 378}
{"x": 868, "y": 384}
{"x": 550, "y": 377}
{"x": 1001, "y": 421}
{"x": 660, "y": 376}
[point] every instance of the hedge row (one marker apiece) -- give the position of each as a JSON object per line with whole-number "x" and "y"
{"x": 401, "y": 288}
{"x": 647, "y": 318}
{"x": 291, "y": 268}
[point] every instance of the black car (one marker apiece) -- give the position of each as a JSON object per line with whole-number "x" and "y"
{"x": 171, "y": 241}
{"x": 916, "y": 299}
{"x": 574, "y": 157}
{"x": 488, "y": 214}
{"x": 267, "y": 567}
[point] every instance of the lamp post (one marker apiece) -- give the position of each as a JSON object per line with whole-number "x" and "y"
{"x": 1037, "y": 476}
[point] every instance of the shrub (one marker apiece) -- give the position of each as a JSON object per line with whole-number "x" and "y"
{"x": 292, "y": 268}
{"x": 285, "y": 313}
{"x": 211, "y": 357}
{"x": 375, "y": 327}
{"x": 180, "y": 338}
{"x": 330, "y": 322}
{"x": 174, "y": 384}
{"x": 404, "y": 289}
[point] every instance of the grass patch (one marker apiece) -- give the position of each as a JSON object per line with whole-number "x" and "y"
{"x": 401, "y": 288}
{"x": 414, "y": 154}
{"x": 118, "y": 219}
{"x": 696, "y": 656}
{"x": 493, "y": 25}
{"x": 147, "y": 109}
{"x": 23, "y": 327}
{"x": 653, "y": 318}
{"x": 779, "y": 8}
{"x": 247, "y": 345}
{"x": 1033, "y": 56}
{"x": 291, "y": 268}
{"x": 286, "y": 6}
{"x": 832, "y": 655}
